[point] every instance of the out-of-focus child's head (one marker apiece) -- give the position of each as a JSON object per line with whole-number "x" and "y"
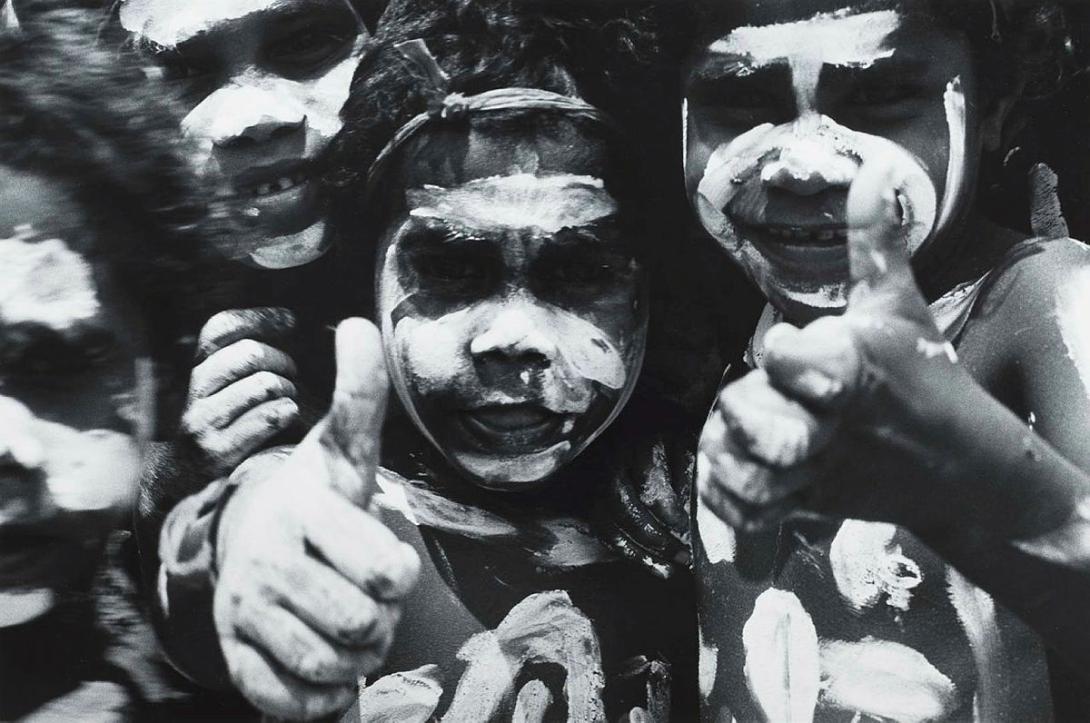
{"x": 94, "y": 234}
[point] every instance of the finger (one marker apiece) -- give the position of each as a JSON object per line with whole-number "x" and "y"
{"x": 363, "y": 549}
{"x": 300, "y": 651}
{"x": 631, "y": 515}
{"x": 268, "y": 324}
{"x": 277, "y": 692}
{"x": 353, "y": 427}
{"x": 226, "y": 405}
{"x": 881, "y": 272}
{"x": 324, "y": 599}
{"x": 659, "y": 489}
{"x": 249, "y": 432}
{"x": 746, "y": 518}
{"x": 766, "y": 425}
{"x": 819, "y": 366}
{"x": 235, "y": 362}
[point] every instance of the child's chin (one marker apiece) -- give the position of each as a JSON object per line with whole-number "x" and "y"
{"x": 511, "y": 473}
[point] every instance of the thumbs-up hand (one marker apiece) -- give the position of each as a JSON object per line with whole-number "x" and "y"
{"x": 847, "y": 416}
{"x": 309, "y": 586}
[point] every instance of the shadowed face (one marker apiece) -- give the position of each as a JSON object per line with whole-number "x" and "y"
{"x": 76, "y": 395}
{"x": 263, "y": 82}
{"x": 784, "y": 105}
{"x": 511, "y": 300}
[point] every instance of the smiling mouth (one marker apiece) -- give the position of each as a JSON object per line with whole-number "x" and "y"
{"x": 514, "y": 428}
{"x": 817, "y": 236}
{"x": 272, "y": 180}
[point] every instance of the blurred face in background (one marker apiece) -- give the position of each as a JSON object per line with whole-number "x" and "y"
{"x": 76, "y": 396}
{"x": 262, "y": 83}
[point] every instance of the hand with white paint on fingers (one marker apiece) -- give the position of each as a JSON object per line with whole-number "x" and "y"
{"x": 847, "y": 416}
{"x": 241, "y": 393}
{"x": 310, "y": 583}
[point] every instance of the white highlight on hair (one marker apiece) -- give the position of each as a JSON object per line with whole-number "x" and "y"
{"x": 884, "y": 680}
{"x": 45, "y": 282}
{"x": 782, "y": 659}
{"x": 546, "y": 204}
{"x": 843, "y": 38}
{"x": 1073, "y": 317}
{"x": 869, "y": 566}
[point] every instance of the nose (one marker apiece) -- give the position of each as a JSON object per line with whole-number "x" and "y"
{"x": 513, "y": 337}
{"x": 239, "y": 116}
{"x": 809, "y": 163}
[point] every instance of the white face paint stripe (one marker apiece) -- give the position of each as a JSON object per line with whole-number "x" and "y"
{"x": 954, "y": 102}
{"x": 169, "y": 22}
{"x": 843, "y": 38}
{"x": 523, "y": 200}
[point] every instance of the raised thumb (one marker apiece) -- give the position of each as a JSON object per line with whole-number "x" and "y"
{"x": 350, "y": 434}
{"x": 881, "y": 270}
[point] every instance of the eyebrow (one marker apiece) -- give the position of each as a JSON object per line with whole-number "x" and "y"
{"x": 436, "y": 230}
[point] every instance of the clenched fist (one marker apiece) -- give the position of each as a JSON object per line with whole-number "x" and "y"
{"x": 309, "y": 582}
{"x": 241, "y": 393}
{"x": 850, "y": 415}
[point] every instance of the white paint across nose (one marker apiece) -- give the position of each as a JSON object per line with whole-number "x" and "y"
{"x": 250, "y": 106}
{"x": 512, "y": 331}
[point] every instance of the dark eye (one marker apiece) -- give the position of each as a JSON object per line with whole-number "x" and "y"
{"x": 188, "y": 80}
{"x": 308, "y": 50}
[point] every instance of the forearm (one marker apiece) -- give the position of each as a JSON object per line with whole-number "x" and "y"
{"x": 177, "y": 566}
{"x": 1020, "y": 523}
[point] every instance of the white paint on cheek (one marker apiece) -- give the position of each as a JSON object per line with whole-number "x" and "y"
{"x": 45, "y": 282}
{"x": 521, "y": 201}
{"x": 954, "y": 102}
{"x": 843, "y": 38}
{"x": 781, "y": 649}
{"x": 21, "y": 606}
{"x": 884, "y": 680}
{"x": 868, "y": 566}
{"x": 1073, "y": 317}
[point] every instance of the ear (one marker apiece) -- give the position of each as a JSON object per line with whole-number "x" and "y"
{"x": 999, "y": 123}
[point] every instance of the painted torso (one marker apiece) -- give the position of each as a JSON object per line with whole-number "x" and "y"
{"x": 508, "y": 617}
{"x": 859, "y": 621}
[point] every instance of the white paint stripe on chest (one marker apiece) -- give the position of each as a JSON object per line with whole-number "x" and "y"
{"x": 1073, "y": 317}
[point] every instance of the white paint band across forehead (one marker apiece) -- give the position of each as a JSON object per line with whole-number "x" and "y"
{"x": 169, "y": 22}
{"x": 45, "y": 282}
{"x": 842, "y": 38}
{"x": 546, "y": 204}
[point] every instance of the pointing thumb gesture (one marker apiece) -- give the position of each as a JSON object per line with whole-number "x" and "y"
{"x": 347, "y": 439}
{"x": 881, "y": 282}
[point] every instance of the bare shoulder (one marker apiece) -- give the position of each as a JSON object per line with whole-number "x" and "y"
{"x": 1035, "y": 279}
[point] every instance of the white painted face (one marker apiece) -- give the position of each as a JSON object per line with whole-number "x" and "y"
{"x": 263, "y": 82}
{"x": 76, "y": 398}
{"x": 513, "y": 316}
{"x": 780, "y": 115}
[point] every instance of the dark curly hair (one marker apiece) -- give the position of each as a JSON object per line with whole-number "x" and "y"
{"x": 76, "y": 114}
{"x": 604, "y": 53}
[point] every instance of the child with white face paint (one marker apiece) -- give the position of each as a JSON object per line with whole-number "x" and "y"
{"x": 917, "y": 368}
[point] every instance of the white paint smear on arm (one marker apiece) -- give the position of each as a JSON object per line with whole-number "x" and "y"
{"x": 782, "y": 669}
{"x": 45, "y": 282}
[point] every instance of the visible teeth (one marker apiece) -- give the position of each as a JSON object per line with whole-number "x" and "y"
{"x": 285, "y": 183}
{"x": 801, "y": 234}
{"x": 827, "y": 235}
{"x": 842, "y": 233}
{"x": 280, "y": 185}
{"x": 264, "y": 189}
